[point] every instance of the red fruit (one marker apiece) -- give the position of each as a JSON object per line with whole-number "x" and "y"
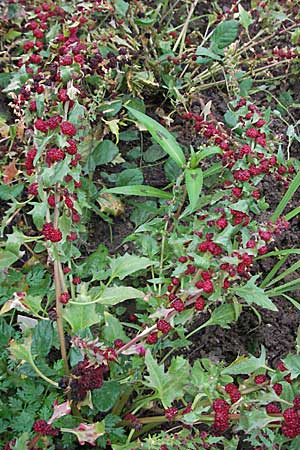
{"x": 66, "y": 60}
{"x": 68, "y": 128}
{"x": 152, "y": 338}
{"x": 42, "y": 427}
{"x": 54, "y": 155}
{"x": 66, "y": 270}
{"x": 41, "y": 125}
{"x": 76, "y": 281}
{"x": 265, "y": 235}
{"x": 72, "y": 236}
{"x": 64, "y": 298}
{"x": 207, "y": 286}
{"x": 272, "y": 408}
{"x": 33, "y": 189}
{"x": 178, "y": 305}
{"x": 118, "y": 343}
{"x": 281, "y": 367}
{"x": 51, "y": 200}
{"x": 222, "y": 223}
{"x": 72, "y": 148}
{"x": 39, "y": 34}
{"x": 52, "y": 234}
{"x": 171, "y": 413}
{"x": 260, "y": 123}
{"x": 296, "y": 402}
{"x": 233, "y": 391}
{"x": 63, "y": 95}
{"x": 53, "y": 122}
{"x": 226, "y": 284}
{"x": 28, "y": 45}
{"x": 32, "y": 106}
{"x": 277, "y": 388}
{"x": 237, "y": 192}
{"x": 163, "y": 326}
{"x": 35, "y": 59}
{"x": 175, "y": 281}
{"x": 199, "y": 304}
{"x": 182, "y": 259}
{"x": 260, "y": 379}
{"x": 263, "y": 250}
{"x": 255, "y": 194}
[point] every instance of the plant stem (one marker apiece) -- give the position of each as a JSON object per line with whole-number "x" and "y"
{"x": 59, "y": 319}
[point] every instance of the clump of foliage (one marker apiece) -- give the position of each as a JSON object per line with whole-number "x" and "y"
{"x": 92, "y": 343}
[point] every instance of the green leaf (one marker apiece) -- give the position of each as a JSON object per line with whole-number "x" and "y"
{"x": 254, "y": 420}
{"x": 113, "y": 328}
{"x": 105, "y": 152}
{"x": 42, "y": 338}
{"x": 162, "y": 136}
{"x": 254, "y": 294}
{"x": 156, "y": 377}
{"x": 246, "y": 365}
{"x": 103, "y": 399}
{"x": 115, "y": 295}
{"x": 38, "y": 213}
{"x": 224, "y": 34}
{"x": 153, "y": 153}
{"x": 202, "y": 51}
{"x": 21, "y": 351}
{"x": 121, "y": 7}
{"x": 141, "y": 191}
{"x": 223, "y": 315}
{"x": 245, "y": 17}
{"x": 208, "y": 151}
{"x": 125, "y": 265}
{"x": 83, "y": 315}
{"x": 294, "y": 185}
{"x": 7, "y": 258}
{"x": 7, "y": 192}
{"x": 230, "y": 119}
{"x": 130, "y": 177}
{"x": 194, "y": 183}
{"x": 292, "y": 363}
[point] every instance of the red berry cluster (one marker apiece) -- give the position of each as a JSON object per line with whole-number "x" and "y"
{"x": 291, "y": 424}
{"x": 171, "y": 413}
{"x": 233, "y": 391}
{"x": 86, "y": 376}
{"x": 52, "y": 234}
{"x": 44, "y": 429}
{"x": 221, "y": 416}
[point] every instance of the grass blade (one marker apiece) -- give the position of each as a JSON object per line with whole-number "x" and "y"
{"x": 162, "y": 136}
{"x": 272, "y": 273}
{"x": 286, "y": 198}
{"x": 288, "y": 271}
{"x": 140, "y": 190}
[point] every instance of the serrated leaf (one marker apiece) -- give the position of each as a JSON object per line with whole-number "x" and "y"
{"x": 254, "y": 420}
{"x": 115, "y": 295}
{"x": 292, "y": 363}
{"x": 127, "y": 264}
{"x": 254, "y": 294}
{"x": 155, "y": 380}
{"x": 162, "y": 136}
{"x": 246, "y": 365}
{"x": 245, "y": 17}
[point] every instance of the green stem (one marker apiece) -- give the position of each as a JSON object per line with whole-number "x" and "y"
{"x": 37, "y": 370}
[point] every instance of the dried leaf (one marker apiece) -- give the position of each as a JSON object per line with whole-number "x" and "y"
{"x": 9, "y": 172}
